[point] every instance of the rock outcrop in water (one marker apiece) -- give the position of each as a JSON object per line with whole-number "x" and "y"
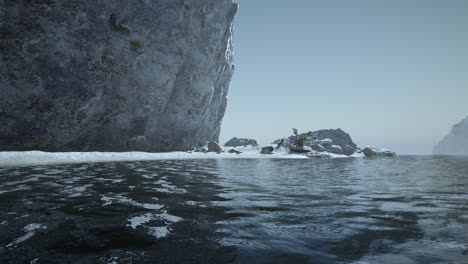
{"x": 456, "y": 142}
{"x": 113, "y": 75}
{"x": 376, "y": 152}
{"x": 240, "y": 142}
{"x": 214, "y": 147}
{"x": 323, "y": 143}
{"x": 335, "y": 141}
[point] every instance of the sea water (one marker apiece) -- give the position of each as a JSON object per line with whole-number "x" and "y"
{"x": 408, "y": 209}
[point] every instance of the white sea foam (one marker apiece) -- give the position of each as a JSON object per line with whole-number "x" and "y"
{"x": 108, "y": 200}
{"x": 30, "y": 231}
{"x": 156, "y": 231}
{"x": 26, "y": 158}
{"x": 140, "y": 220}
{"x": 159, "y": 231}
{"x": 77, "y": 191}
{"x": 167, "y": 217}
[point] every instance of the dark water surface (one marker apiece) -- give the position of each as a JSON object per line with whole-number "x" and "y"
{"x": 410, "y": 209}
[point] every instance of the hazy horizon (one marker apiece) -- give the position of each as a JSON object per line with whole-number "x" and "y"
{"x": 391, "y": 74}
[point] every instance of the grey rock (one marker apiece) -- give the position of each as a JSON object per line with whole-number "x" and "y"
{"x": 300, "y": 149}
{"x": 267, "y": 150}
{"x": 326, "y": 138}
{"x": 348, "y": 150}
{"x": 376, "y": 152}
{"x": 94, "y": 74}
{"x": 317, "y": 147}
{"x": 456, "y": 142}
{"x": 234, "y": 151}
{"x": 280, "y": 143}
{"x": 239, "y": 142}
{"x": 214, "y": 147}
{"x": 335, "y": 149}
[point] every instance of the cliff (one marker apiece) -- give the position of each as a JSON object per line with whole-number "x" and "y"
{"x": 113, "y": 75}
{"x": 456, "y": 142}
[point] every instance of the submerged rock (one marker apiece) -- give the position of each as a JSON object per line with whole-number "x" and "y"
{"x": 267, "y": 150}
{"x": 456, "y": 142}
{"x": 240, "y": 142}
{"x": 376, "y": 152}
{"x": 93, "y": 75}
{"x": 214, "y": 147}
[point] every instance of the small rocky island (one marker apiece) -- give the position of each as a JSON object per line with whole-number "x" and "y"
{"x": 456, "y": 142}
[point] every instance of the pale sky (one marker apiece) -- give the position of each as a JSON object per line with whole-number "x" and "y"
{"x": 392, "y": 74}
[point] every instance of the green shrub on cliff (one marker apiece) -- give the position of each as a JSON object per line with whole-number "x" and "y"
{"x": 118, "y": 28}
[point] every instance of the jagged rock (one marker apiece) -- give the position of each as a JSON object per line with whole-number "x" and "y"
{"x": 267, "y": 150}
{"x": 456, "y": 142}
{"x": 214, "y": 147}
{"x": 348, "y": 150}
{"x": 376, "y": 152}
{"x": 280, "y": 143}
{"x": 317, "y": 147}
{"x": 234, "y": 151}
{"x": 239, "y": 142}
{"x": 300, "y": 149}
{"x": 335, "y": 149}
{"x": 93, "y": 74}
{"x": 326, "y": 138}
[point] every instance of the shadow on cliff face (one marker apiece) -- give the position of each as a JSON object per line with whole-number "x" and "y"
{"x": 98, "y": 213}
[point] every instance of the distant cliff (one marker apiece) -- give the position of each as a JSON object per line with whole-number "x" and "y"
{"x": 456, "y": 142}
{"x": 113, "y": 75}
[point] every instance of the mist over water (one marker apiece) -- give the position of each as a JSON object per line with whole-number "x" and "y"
{"x": 409, "y": 209}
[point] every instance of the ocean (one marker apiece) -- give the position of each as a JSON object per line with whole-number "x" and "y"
{"x": 407, "y": 209}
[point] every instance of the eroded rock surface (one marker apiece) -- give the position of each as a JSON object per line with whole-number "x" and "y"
{"x": 103, "y": 75}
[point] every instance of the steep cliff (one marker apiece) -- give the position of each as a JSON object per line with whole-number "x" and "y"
{"x": 113, "y": 75}
{"x": 456, "y": 142}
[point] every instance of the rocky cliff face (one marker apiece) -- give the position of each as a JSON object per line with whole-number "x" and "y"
{"x": 456, "y": 142}
{"x": 113, "y": 75}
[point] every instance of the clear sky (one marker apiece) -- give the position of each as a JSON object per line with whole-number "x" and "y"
{"x": 393, "y": 74}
